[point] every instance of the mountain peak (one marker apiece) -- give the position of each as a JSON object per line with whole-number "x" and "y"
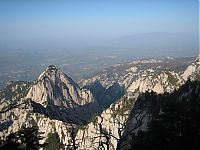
{"x": 49, "y": 72}
{"x": 51, "y": 67}
{"x": 54, "y": 87}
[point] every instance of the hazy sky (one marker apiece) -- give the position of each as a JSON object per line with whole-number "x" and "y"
{"x": 52, "y": 24}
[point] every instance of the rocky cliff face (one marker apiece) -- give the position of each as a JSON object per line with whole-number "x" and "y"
{"x": 192, "y": 71}
{"x": 149, "y": 105}
{"x": 56, "y": 88}
{"x": 55, "y": 103}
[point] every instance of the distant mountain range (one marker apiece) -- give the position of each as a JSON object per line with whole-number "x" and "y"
{"x": 99, "y": 106}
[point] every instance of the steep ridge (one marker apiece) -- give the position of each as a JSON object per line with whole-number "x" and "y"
{"x": 128, "y": 73}
{"x": 57, "y": 96}
{"x": 56, "y": 88}
{"x": 192, "y": 71}
{"x": 150, "y": 105}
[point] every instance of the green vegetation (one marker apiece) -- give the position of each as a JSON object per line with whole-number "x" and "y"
{"x": 27, "y": 138}
{"x": 171, "y": 78}
{"x": 94, "y": 119}
{"x": 197, "y": 77}
{"x": 126, "y": 105}
{"x": 53, "y": 142}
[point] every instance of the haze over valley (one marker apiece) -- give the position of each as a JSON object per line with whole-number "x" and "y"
{"x": 99, "y": 75}
{"x": 85, "y": 37}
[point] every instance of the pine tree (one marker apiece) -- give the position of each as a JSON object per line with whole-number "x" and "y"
{"x": 27, "y": 138}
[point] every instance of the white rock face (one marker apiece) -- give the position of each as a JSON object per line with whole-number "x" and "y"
{"x": 54, "y": 87}
{"x": 89, "y": 136}
{"x": 194, "y": 68}
{"x": 127, "y": 73}
{"x": 112, "y": 121}
{"x": 46, "y": 125}
{"x": 166, "y": 81}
